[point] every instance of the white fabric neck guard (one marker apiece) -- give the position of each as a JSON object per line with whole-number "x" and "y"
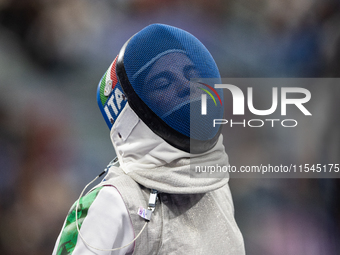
{"x": 155, "y": 164}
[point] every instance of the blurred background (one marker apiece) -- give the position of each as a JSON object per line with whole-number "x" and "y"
{"x": 53, "y": 139}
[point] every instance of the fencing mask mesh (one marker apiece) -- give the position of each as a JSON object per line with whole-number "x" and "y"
{"x": 159, "y": 70}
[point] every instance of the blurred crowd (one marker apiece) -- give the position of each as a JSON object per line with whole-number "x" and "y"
{"x": 53, "y": 140}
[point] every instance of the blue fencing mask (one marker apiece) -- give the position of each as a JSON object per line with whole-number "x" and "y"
{"x": 158, "y": 73}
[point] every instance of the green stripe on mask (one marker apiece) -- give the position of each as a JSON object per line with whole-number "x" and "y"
{"x": 103, "y": 98}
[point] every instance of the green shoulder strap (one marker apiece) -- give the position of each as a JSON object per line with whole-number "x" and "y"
{"x": 69, "y": 235}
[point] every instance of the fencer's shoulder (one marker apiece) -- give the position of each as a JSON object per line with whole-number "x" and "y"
{"x": 97, "y": 212}
{"x": 96, "y": 198}
{"x": 117, "y": 177}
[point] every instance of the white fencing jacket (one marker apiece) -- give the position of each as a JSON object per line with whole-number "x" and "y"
{"x": 193, "y": 215}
